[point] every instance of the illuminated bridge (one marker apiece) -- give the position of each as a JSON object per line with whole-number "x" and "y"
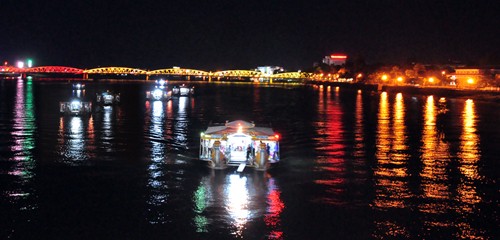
{"x": 125, "y": 71}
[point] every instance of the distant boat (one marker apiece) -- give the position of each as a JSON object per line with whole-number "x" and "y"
{"x": 183, "y": 90}
{"x": 75, "y": 107}
{"x": 160, "y": 92}
{"x": 107, "y": 98}
{"x": 78, "y": 86}
{"x": 239, "y": 143}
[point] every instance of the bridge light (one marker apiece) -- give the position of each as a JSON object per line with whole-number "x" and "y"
{"x": 30, "y": 62}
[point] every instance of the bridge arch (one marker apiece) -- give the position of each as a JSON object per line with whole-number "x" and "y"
{"x": 54, "y": 69}
{"x": 115, "y": 70}
{"x": 292, "y": 75}
{"x": 178, "y": 71}
{"x": 237, "y": 73}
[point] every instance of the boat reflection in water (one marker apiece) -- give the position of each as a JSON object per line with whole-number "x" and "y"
{"x": 157, "y": 184}
{"x": 235, "y": 201}
{"x": 75, "y": 138}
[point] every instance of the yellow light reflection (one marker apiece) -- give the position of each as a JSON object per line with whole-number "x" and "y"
{"x": 435, "y": 159}
{"x": 469, "y": 157}
{"x": 391, "y": 177}
{"x": 358, "y": 130}
{"x": 391, "y": 171}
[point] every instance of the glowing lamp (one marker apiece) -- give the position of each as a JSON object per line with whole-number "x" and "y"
{"x": 20, "y": 64}
{"x": 384, "y": 77}
{"x": 470, "y": 81}
{"x": 400, "y": 79}
{"x": 277, "y": 136}
{"x": 338, "y": 56}
{"x": 431, "y": 80}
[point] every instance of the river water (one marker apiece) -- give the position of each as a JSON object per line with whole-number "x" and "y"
{"x": 355, "y": 165}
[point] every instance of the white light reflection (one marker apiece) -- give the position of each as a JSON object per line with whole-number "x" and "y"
{"x": 107, "y": 129}
{"x": 237, "y": 202}
{"x": 181, "y": 124}
{"x": 76, "y": 141}
{"x": 156, "y": 181}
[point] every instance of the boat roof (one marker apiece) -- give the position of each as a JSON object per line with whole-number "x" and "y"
{"x": 246, "y": 128}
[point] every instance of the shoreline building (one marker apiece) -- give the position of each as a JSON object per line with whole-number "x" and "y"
{"x": 335, "y": 59}
{"x": 474, "y": 77}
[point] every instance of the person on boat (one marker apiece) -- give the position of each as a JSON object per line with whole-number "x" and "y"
{"x": 249, "y": 151}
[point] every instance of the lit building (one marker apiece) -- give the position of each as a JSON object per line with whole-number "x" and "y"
{"x": 270, "y": 70}
{"x": 474, "y": 77}
{"x": 335, "y": 59}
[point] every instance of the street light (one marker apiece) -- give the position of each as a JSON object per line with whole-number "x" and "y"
{"x": 384, "y": 77}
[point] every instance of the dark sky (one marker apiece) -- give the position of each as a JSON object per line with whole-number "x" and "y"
{"x": 238, "y": 34}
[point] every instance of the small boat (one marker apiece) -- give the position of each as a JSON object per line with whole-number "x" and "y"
{"x": 75, "y": 107}
{"x": 160, "y": 92}
{"x": 78, "y": 86}
{"x": 183, "y": 90}
{"x": 239, "y": 143}
{"x": 107, "y": 98}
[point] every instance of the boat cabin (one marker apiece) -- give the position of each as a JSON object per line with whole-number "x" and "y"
{"x": 75, "y": 107}
{"x": 107, "y": 98}
{"x": 182, "y": 90}
{"x": 239, "y": 142}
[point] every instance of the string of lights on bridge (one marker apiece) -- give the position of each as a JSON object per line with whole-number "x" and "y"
{"x": 6, "y": 69}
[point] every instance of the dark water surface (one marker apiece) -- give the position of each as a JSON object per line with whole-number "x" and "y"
{"x": 355, "y": 165}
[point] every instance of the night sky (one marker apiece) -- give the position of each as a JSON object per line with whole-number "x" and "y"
{"x": 237, "y": 34}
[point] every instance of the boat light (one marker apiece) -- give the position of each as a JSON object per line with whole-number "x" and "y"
{"x": 75, "y": 103}
{"x": 157, "y": 93}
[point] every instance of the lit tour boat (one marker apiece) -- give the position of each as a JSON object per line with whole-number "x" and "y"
{"x": 182, "y": 90}
{"x": 75, "y": 107}
{"x": 160, "y": 92}
{"x": 239, "y": 143}
{"x": 107, "y": 98}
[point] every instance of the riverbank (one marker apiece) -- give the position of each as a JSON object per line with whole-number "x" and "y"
{"x": 476, "y": 94}
{"x": 449, "y": 92}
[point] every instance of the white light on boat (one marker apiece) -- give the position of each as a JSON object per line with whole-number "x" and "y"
{"x": 75, "y": 103}
{"x": 157, "y": 94}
